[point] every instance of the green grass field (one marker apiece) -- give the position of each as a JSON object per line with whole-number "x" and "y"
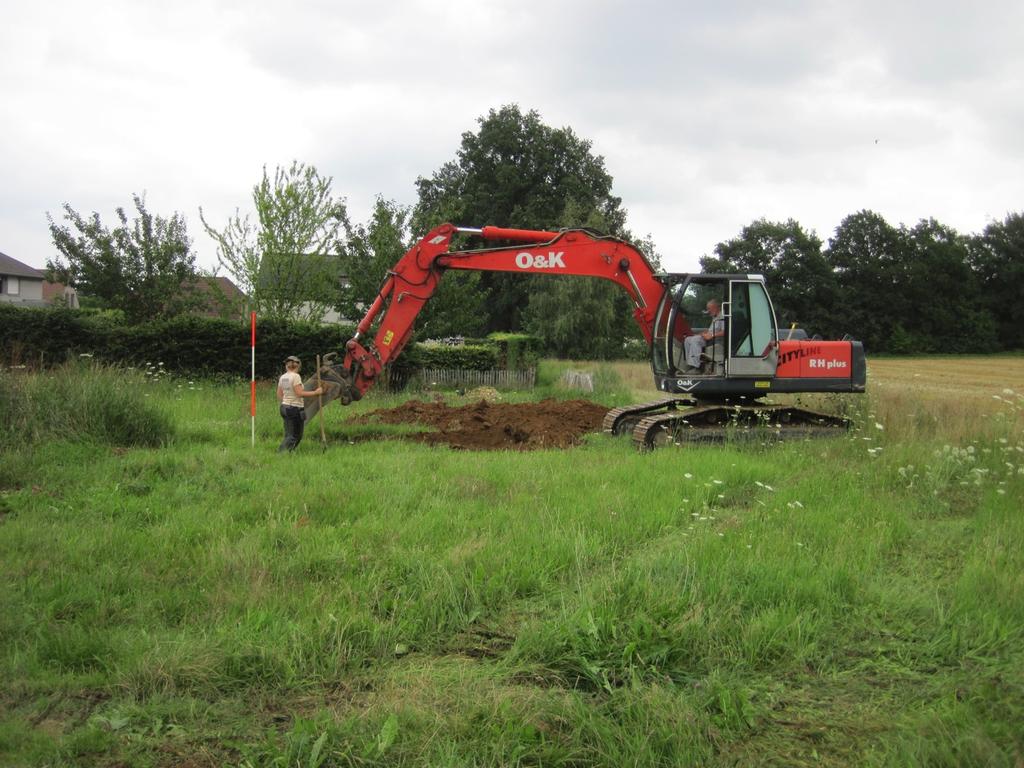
{"x": 198, "y": 602}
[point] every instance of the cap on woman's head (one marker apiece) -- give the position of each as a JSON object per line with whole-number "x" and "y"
{"x": 292, "y": 359}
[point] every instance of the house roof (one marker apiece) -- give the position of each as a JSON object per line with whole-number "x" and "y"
{"x": 211, "y": 284}
{"x": 287, "y": 272}
{"x": 217, "y": 296}
{"x": 9, "y": 266}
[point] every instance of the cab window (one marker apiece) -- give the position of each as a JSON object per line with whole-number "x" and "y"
{"x": 753, "y": 323}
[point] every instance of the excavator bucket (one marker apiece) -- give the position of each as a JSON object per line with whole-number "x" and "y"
{"x": 336, "y": 383}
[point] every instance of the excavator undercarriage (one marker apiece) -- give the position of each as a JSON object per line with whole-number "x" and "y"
{"x": 685, "y": 420}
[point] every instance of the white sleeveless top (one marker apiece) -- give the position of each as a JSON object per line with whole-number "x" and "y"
{"x": 287, "y": 383}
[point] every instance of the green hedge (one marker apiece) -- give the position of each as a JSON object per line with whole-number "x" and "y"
{"x": 188, "y": 346}
{"x": 466, "y": 357}
{"x": 516, "y": 350}
{"x": 205, "y": 347}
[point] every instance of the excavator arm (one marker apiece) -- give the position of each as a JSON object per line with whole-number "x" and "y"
{"x": 415, "y": 277}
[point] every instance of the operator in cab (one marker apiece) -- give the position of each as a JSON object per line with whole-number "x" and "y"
{"x": 694, "y": 345}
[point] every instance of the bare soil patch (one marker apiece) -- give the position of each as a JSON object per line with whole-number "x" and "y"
{"x": 487, "y": 426}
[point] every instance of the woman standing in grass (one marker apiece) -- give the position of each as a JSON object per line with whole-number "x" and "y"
{"x": 289, "y": 395}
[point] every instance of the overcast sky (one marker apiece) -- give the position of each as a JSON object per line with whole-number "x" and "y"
{"x": 708, "y": 115}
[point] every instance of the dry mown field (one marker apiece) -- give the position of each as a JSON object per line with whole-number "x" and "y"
{"x": 956, "y": 397}
{"x": 964, "y": 379}
{"x": 951, "y": 395}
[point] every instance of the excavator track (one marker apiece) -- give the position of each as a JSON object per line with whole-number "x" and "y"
{"x": 718, "y": 423}
{"x": 621, "y": 421}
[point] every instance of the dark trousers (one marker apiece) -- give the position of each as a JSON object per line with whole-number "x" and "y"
{"x": 294, "y": 423}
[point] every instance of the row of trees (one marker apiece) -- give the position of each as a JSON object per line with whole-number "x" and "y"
{"x": 922, "y": 288}
{"x": 925, "y": 288}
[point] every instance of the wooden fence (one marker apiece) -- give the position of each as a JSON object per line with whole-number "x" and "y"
{"x": 497, "y": 378}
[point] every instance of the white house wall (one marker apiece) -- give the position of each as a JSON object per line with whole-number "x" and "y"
{"x": 28, "y": 290}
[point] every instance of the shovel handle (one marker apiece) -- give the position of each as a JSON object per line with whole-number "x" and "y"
{"x": 320, "y": 401}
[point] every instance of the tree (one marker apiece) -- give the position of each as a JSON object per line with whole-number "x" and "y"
{"x": 868, "y": 255}
{"x": 144, "y": 268}
{"x": 940, "y": 301}
{"x": 801, "y": 281}
{"x": 997, "y": 258}
{"x": 371, "y": 250}
{"x": 582, "y": 317}
{"x": 289, "y": 263}
{"x": 458, "y": 307}
{"x": 576, "y": 318}
{"x": 908, "y": 289}
{"x": 517, "y": 172}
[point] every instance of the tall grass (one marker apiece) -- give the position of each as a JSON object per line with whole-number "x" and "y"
{"x": 80, "y": 403}
{"x": 855, "y": 601}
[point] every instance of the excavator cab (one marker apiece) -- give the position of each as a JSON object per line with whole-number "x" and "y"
{"x": 744, "y": 334}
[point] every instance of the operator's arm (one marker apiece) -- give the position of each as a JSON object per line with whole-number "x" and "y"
{"x": 280, "y": 393}
{"x": 711, "y": 333}
{"x": 300, "y": 392}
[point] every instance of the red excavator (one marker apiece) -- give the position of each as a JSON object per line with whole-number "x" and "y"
{"x": 713, "y": 337}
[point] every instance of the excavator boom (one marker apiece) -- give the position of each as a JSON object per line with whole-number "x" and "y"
{"x": 414, "y": 279}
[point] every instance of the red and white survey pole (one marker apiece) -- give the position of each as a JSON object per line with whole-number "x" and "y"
{"x": 252, "y": 382}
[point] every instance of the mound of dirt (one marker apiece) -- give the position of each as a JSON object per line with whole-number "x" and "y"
{"x": 495, "y": 426}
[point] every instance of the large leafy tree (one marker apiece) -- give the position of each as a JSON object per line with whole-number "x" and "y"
{"x": 516, "y": 171}
{"x": 868, "y": 255}
{"x": 906, "y": 289}
{"x": 144, "y": 266}
{"x": 801, "y": 281}
{"x": 997, "y": 257}
{"x": 371, "y": 250}
{"x": 940, "y": 300}
{"x": 288, "y": 262}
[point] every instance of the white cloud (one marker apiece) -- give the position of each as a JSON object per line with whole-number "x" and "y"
{"x": 707, "y": 117}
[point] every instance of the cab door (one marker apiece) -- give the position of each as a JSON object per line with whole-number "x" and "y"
{"x": 753, "y": 332}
